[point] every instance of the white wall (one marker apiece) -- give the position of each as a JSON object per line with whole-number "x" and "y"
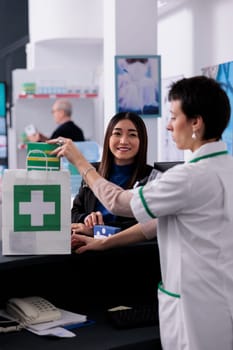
{"x": 66, "y": 45}
{"x": 129, "y": 29}
{"x": 76, "y": 33}
{"x": 194, "y": 35}
{"x": 175, "y": 43}
{"x": 191, "y": 36}
{"x": 50, "y": 19}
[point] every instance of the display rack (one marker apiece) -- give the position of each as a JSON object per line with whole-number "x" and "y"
{"x": 55, "y": 96}
{"x": 34, "y": 106}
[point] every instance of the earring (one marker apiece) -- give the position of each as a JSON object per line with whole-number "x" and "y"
{"x": 194, "y": 135}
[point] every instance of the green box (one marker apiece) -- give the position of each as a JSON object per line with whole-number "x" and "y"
{"x": 39, "y": 157}
{"x": 29, "y": 88}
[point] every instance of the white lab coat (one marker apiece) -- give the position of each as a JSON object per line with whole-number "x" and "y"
{"x": 194, "y": 206}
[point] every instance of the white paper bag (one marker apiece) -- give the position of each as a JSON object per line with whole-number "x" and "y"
{"x": 36, "y": 216}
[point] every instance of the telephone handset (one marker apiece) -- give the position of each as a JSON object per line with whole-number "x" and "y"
{"x": 32, "y": 310}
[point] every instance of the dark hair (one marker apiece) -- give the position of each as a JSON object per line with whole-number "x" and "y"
{"x": 140, "y": 158}
{"x": 203, "y": 96}
{"x": 133, "y": 60}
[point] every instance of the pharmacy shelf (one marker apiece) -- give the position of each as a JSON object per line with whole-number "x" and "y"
{"x": 55, "y": 96}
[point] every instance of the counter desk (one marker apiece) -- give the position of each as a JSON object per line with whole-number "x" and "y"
{"x": 88, "y": 283}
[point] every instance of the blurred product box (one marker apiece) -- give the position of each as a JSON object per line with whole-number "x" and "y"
{"x": 29, "y": 88}
{"x": 30, "y": 130}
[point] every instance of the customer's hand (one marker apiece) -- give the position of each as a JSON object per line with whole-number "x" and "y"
{"x": 95, "y": 218}
{"x": 81, "y": 228}
{"x": 81, "y": 243}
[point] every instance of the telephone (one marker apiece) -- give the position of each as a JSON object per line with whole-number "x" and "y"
{"x": 32, "y": 310}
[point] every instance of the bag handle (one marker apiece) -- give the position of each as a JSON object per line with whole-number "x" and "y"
{"x": 43, "y": 154}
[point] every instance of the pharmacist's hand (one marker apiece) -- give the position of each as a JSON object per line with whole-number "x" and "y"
{"x": 66, "y": 148}
{"x": 81, "y": 228}
{"x": 95, "y": 218}
{"x": 82, "y": 243}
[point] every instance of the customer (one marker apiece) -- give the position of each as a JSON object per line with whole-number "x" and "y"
{"x": 62, "y": 112}
{"x": 194, "y": 206}
{"x": 123, "y": 163}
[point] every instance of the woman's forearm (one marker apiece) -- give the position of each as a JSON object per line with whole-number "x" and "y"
{"x": 113, "y": 197}
{"x": 131, "y": 235}
{"x": 134, "y": 234}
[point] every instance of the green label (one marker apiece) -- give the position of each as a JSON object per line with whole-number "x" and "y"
{"x": 37, "y": 208}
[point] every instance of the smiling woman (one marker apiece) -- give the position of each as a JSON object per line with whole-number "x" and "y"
{"x": 123, "y": 162}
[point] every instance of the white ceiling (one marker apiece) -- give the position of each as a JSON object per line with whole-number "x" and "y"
{"x": 165, "y": 6}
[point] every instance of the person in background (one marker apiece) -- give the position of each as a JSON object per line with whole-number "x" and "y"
{"x": 62, "y": 112}
{"x": 124, "y": 163}
{"x": 192, "y": 207}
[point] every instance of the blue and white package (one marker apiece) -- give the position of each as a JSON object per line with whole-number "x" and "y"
{"x": 103, "y": 231}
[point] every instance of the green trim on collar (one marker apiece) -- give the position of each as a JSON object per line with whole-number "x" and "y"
{"x": 160, "y": 287}
{"x": 208, "y": 156}
{"x": 144, "y": 203}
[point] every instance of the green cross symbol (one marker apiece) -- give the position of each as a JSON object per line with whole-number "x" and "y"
{"x": 37, "y": 208}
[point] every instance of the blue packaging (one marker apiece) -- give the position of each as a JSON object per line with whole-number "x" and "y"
{"x": 101, "y": 231}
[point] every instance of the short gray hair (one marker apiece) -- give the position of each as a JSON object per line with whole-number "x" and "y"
{"x": 65, "y": 106}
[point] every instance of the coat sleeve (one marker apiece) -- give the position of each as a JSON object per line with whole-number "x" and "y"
{"x": 78, "y": 211}
{"x": 84, "y": 202}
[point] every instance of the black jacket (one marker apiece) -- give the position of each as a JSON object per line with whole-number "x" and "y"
{"x": 69, "y": 130}
{"x": 85, "y": 201}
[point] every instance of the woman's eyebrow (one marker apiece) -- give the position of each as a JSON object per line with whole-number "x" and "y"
{"x": 127, "y": 129}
